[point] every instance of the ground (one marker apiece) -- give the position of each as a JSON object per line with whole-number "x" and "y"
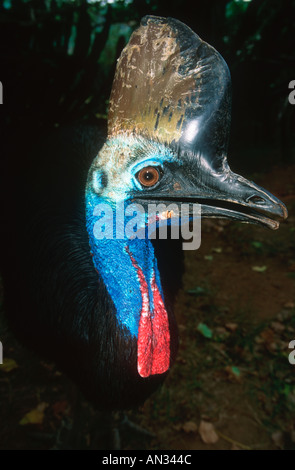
{"x": 232, "y": 386}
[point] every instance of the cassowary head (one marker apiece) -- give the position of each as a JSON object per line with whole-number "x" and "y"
{"x": 168, "y": 129}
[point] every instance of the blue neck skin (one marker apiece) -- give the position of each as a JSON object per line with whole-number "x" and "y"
{"x": 113, "y": 262}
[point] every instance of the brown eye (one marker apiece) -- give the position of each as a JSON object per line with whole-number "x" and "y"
{"x": 148, "y": 176}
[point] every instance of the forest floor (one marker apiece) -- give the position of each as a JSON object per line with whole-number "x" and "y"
{"x": 232, "y": 386}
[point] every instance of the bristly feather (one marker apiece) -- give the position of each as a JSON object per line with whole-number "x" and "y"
{"x": 63, "y": 309}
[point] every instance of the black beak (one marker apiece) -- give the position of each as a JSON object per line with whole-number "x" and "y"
{"x": 221, "y": 195}
{"x": 243, "y": 200}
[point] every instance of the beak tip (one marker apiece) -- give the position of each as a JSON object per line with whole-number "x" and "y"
{"x": 285, "y": 211}
{"x": 282, "y": 209}
{"x": 276, "y": 225}
{"x": 282, "y": 213}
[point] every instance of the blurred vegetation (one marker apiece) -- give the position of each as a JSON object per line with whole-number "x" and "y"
{"x": 58, "y": 59}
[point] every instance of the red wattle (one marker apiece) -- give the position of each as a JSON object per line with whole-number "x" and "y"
{"x": 153, "y": 344}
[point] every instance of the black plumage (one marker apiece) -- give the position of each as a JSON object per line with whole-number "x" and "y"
{"x": 56, "y": 300}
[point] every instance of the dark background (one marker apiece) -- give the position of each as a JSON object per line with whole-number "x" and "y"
{"x": 57, "y": 61}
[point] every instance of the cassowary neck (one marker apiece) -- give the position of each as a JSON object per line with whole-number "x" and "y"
{"x": 129, "y": 269}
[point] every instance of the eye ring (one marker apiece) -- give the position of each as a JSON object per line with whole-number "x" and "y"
{"x": 148, "y": 176}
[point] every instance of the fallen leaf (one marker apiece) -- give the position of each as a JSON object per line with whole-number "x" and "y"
{"x": 231, "y": 326}
{"x": 35, "y": 416}
{"x": 208, "y": 433}
{"x": 190, "y": 426}
{"x": 234, "y": 373}
{"x": 289, "y": 305}
{"x": 204, "y": 330}
{"x": 198, "y": 290}
{"x": 259, "y": 269}
{"x": 8, "y": 365}
{"x": 217, "y": 250}
{"x": 257, "y": 245}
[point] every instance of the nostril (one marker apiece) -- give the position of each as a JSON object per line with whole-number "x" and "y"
{"x": 256, "y": 200}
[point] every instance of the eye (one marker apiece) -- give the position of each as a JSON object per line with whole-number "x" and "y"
{"x": 148, "y": 176}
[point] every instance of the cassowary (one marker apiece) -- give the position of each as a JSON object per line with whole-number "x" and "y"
{"x": 102, "y": 307}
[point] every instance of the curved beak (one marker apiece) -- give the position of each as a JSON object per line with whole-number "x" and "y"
{"x": 243, "y": 200}
{"x": 222, "y": 194}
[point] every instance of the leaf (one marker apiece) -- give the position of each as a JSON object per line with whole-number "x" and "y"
{"x": 257, "y": 245}
{"x": 198, "y": 290}
{"x": 217, "y": 250}
{"x": 231, "y": 326}
{"x": 35, "y": 416}
{"x": 259, "y": 269}
{"x": 208, "y": 433}
{"x": 8, "y": 365}
{"x": 234, "y": 373}
{"x": 205, "y": 330}
{"x": 208, "y": 257}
